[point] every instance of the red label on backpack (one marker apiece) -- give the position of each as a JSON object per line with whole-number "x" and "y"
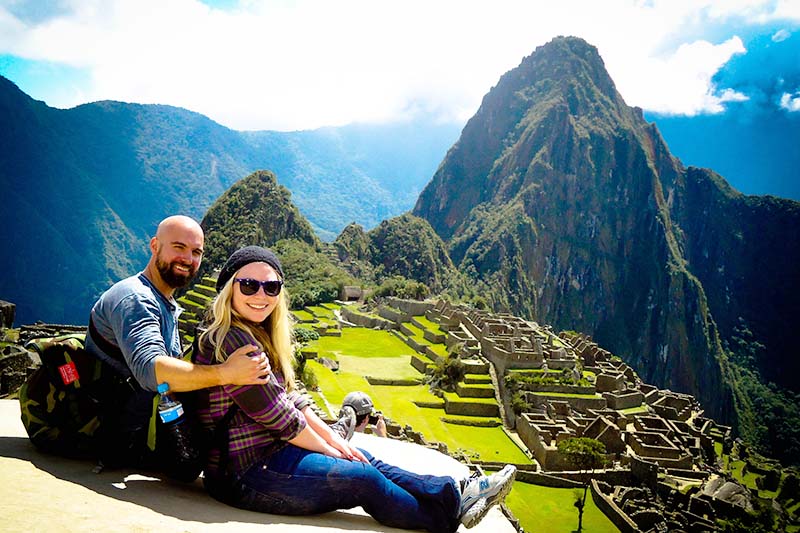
{"x": 68, "y": 373}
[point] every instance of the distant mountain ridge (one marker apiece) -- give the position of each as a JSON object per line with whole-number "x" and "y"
{"x": 85, "y": 187}
{"x": 569, "y": 207}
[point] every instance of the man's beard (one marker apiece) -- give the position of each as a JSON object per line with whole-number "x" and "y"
{"x": 172, "y": 278}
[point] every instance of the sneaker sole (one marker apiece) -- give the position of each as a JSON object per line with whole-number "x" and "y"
{"x": 479, "y": 509}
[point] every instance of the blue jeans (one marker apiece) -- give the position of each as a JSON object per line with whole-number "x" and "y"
{"x": 295, "y": 481}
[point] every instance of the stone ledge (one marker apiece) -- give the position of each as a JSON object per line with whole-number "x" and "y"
{"x": 81, "y": 501}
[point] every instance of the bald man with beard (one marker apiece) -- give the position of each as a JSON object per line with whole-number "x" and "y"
{"x": 133, "y": 330}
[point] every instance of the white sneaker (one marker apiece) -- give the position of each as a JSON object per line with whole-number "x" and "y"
{"x": 482, "y": 492}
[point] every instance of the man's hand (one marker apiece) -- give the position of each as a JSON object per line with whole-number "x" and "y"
{"x": 380, "y": 427}
{"x": 245, "y": 367}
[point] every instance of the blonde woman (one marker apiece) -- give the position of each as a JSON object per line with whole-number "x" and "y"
{"x": 278, "y": 456}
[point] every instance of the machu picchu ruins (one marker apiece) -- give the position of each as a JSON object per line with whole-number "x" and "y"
{"x": 665, "y": 457}
{"x": 666, "y": 462}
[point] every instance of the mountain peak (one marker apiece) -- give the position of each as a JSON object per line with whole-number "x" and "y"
{"x": 561, "y": 87}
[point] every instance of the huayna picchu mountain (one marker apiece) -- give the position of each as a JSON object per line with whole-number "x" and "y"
{"x": 568, "y": 206}
{"x": 255, "y": 210}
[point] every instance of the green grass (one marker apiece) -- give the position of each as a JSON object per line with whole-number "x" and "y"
{"x": 416, "y": 333}
{"x": 453, "y": 397}
{"x": 364, "y": 352}
{"x": 303, "y": 315}
{"x": 433, "y": 327}
{"x": 748, "y": 479}
{"x": 718, "y": 448}
{"x": 549, "y": 510}
{"x": 320, "y": 312}
{"x": 439, "y": 349}
{"x": 361, "y": 342}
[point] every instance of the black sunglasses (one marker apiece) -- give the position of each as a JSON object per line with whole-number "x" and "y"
{"x": 250, "y": 286}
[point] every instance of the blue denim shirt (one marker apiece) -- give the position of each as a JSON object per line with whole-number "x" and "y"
{"x": 134, "y": 316}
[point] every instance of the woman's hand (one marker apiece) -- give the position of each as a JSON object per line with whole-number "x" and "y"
{"x": 347, "y": 450}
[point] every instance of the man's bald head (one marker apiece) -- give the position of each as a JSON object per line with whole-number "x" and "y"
{"x": 177, "y": 250}
{"x": 179, "y": 223}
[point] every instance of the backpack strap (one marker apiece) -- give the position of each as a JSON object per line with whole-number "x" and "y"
{"x": 101, "y": 342}
{"x": 220, "y": 436}
{"x": 222, "y": 427}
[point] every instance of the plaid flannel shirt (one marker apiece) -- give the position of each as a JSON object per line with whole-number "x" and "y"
{"x": 268, "y": 416}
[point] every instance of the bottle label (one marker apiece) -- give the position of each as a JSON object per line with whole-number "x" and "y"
{"x": 171, "y": 414}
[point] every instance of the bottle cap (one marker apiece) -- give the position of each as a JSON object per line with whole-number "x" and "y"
{"x": 163, "y": 387}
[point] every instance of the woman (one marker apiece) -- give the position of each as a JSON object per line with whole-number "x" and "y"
{"x": 281, "y": 458}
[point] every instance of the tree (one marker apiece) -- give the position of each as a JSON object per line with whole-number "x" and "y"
{"x": 447, "y": 372}
{"x": 583, "y": 454}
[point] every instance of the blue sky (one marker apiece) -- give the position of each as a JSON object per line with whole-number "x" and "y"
{"x": 302, "y": 64}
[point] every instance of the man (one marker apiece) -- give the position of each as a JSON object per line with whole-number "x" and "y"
{"x": 133, "y": 330}
{"x": 357, "y": 413}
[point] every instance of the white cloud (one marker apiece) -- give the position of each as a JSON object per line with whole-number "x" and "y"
{"x": 680, "y": 83}
{"x": 307, "y": 63}
{"x": 790, "y": 102}
{"x": 781, "y": 35}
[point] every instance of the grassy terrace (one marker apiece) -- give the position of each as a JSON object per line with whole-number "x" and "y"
{"x": 453, "y": 397}
{"x": 549, "y": 510}
{"x": 365, "y": 352}
{"x": 417, "y": 334}
{"x": 439, "y": 349}
{"x": 321, "y": 312}
{"x": 433, "y": 327}
{"x": 303, "y": 316}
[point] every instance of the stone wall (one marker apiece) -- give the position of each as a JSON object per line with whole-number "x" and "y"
{"x": 410, "y": 307}
{"x": 612, "y": 511}
{"x": 392, "y": 314}
{"x": 367, "y": 321}
{"x": 625, "y": 400}
{"x": 7, "y": 313}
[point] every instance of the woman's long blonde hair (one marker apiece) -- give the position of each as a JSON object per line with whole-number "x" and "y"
{"x": 274, "y": 335}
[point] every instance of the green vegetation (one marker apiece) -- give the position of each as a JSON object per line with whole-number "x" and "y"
{"x": 550, "y": 510}
{"x": 311, "y": 277}
{"x": 433, "y": 327}
{"x": 583, "y": 454}
{"x": 363, "y": 352}
{"x": 303, "y": 316}
{"x": 362, "y": 342}
{"x": 516, "y": 381}
{"x": 407, "y": 246}
{"x": 401, "y": 287}
{"x": 447, "y": 373}
{"x": 770, "y": 415}
{"x": 255, "y": 210}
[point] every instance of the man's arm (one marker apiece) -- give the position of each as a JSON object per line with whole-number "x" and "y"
{"x": 239, "y": 369}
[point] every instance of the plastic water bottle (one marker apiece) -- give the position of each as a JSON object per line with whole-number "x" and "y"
{"x": 170, "y": 411}
{"x": 180, "y": 455}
